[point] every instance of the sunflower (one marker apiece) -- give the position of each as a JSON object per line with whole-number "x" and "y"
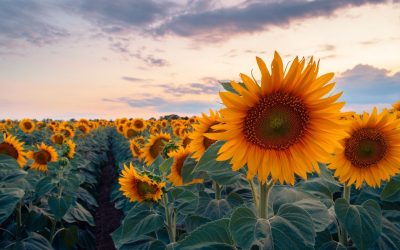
{"x": 154, "y": 130}
{"x": 154, "y": 147}
{"x": 192, "y": 119}
{"x": 371, "y": 152}
{"x": 27, "y": 125}
{"x": 176, "y": 169}
{"x": 138, "y": 187}
{"x": 396, "y": 106}
{"x": 135, "y": 148}
{"x": 71, "y": 149}
{"x": 14, "y": 148}
{"x": 185, "y": 141}
{"x": 84, "y": 128}
{"x": 130, "y": 132}
{"x": 42, "y": 157}
{"x": 139, "y": 140}
{"x": 68, "y": 132}
{"x": 139, "y": 124}
{"x": 283, "y": 127}
{"x": 164, "y": 123}
{"x": 58, "y": 138}
{"x": 200, "y": 142}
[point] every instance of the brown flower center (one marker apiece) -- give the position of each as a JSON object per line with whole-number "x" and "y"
{"x": 178, "y": 163}
{"x": 186, "y": 141}
{"x": 8, "y": 149}
{"x": 277, "y": 122}
{"x": 157, "y": 147}
{"x": 42, "y": 157}
{"x": 138, "y": 124}
{"x": 58, "y": 139}
{"x": 365, "y": 147}
{"x": 130, "y": 133}
{"x": 27, "y": 125}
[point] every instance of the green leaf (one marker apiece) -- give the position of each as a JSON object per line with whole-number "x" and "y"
{"x": 78, "y": 213}
{"x": 44, "y": 186}
{"x": 185, "y": 201}
{"x": 363, "y": 223}
{"x": 228, "y": 87}
{"x": 8, "y": 163}
{"x": 135, "y": 225}
{"x": 9, "y": 197}
{"x": 217, "y": 209}
{"x": 317, "y": 210}
{"x": 85, "y": 196}
{"x": 208, "y": 236}
{"x": 194, "y": 221}
{"x": 290, "y": 227}
{"x": 390, "y": 236}
{"x": 59, "y": 206}
{"x": 219, "y": 171}
{"x": 332, "y": 245}
{"x": 11, "y": 176}
{"x": 34, "y": 241}
{"x": 187, "y": 169}
{"x": 391, "y": 192}
{"x": 166, "y": 165}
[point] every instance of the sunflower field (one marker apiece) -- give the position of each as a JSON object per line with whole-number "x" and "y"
{"x": 279, "y": 166}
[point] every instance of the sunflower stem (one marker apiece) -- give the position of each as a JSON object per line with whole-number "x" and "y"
{"x": 254, "y": 192}
{"x": 265, "y": 189}
{"x": 342, "y": 231}
{"x": 171, "y": 220}
{"x": 218, "y": 190}
{"x": 19, "y": 219}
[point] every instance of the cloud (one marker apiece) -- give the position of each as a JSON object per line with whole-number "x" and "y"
{"x": 210, "y": 86}
{"x": 163, "y": 105}
{"x": 252, "y": 16}
{"x": 366, "y": 84}
{"x": 27, "y": 22}
{"x": 133, "y": 79}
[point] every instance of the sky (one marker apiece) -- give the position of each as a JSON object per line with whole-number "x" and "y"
{"x": 144, "y": 58}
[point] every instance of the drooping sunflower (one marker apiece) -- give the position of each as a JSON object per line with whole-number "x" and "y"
{"x": 138, "y": 187}
{"x": 135, "y": 148}
{"x": 14, "y": 148}
{"x": 371, "y": 152}
{"x": 200, "y": 140}
{"x": 283, "y": 127}
{"x": 58, "y": 138}
{"x": 176, "y": 169}
{"x": 42, "y": 157}
{"x": 27, "y": 125}
{"x": 154, "y": 147}
{"x": 139, "y": 124}
{"x": 71, "y": 148}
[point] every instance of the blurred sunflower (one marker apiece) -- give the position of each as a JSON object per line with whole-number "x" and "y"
{"x": 192, "y": 119}
{"x": 14, "y": 148}
{"x": 71, "y": 148}
{"x": 138, "y": 187}
{"x": 371, "y": 152}
{"x": 396, "y": 106}
{"x": 283, "y": 127}
{"x": 154, "y": 130}
{"x": 185, "y": 141}
{"x": 135, "y": 148}
{"x": 164, "y": 124}
{"x": 27, "y": 125}
{"x": 130, "y": 132}
{"x": 200, "y": 140}
{"x": 139, "y": 140}
{"x": 68, "y": 132}
{"x": 42, "y": 157}
{"x": 176, "y": 169}
{"x": 83, "y": 127}
{"x": 139, "y": 124}
{"x": 154, "y": 147}
{"x": 58, "y": 138}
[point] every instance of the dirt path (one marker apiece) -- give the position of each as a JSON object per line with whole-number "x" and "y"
{"x": 107, "y": 217}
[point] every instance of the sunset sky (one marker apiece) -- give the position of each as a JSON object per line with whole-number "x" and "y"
{"x": 142, "y": 58}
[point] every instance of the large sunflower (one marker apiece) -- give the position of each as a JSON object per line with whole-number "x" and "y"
{"x": 42, "y": 157}
{"x": 371, "y": 152}
{"x": 154, "y": 147}
{"x": 176, "y": 169}
{"x": 200, "y": 141}
{"x": 138, "y": 187}
{"x": 14, "y": 148}
{"x": 283, "y": 127}
{"x": 27, "y": 125}
{"x": 71, "y": 148}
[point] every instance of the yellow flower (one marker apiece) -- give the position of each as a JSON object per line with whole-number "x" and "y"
{"x": 200, "y": 140}
{"x": 58, "y": 138}
{"x": 42, "y": 157}
{"x": 138, "y": 187}
{"x": 139, "y": 124}
{"x": 154, "y": 147}
{"x": 371, "y": 152}
{"x": 283, "y": 127}
{"x": 71, "y": 149}
{"x": 14, "y": 148}
{"x": 176, "y": 169}
{"x": 27, "y": 125}
{"x": 135, "y": 149}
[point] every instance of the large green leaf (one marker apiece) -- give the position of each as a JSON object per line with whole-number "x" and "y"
{"x": 363, "y": 223}
{"x": 44, "y": 186}
{"x": 391, "y": 192}
{"x": 390, "y": 236}
{"x": 212, "y": 235}
{"x": 184, "y": 200}
{"x": 219, "y": 171}
{"x": 317, "y": 210}
{"x": 135, "y": 225}
{"x": 9, "y": 197}
{"x": 34, "y": 241}
{"x": 217, "y": 209}
{"x": 59, "y": 206}
{"x": 290, "y": 228}
{"x": 78, "y": 213}
{"x": 8, "y": 163}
